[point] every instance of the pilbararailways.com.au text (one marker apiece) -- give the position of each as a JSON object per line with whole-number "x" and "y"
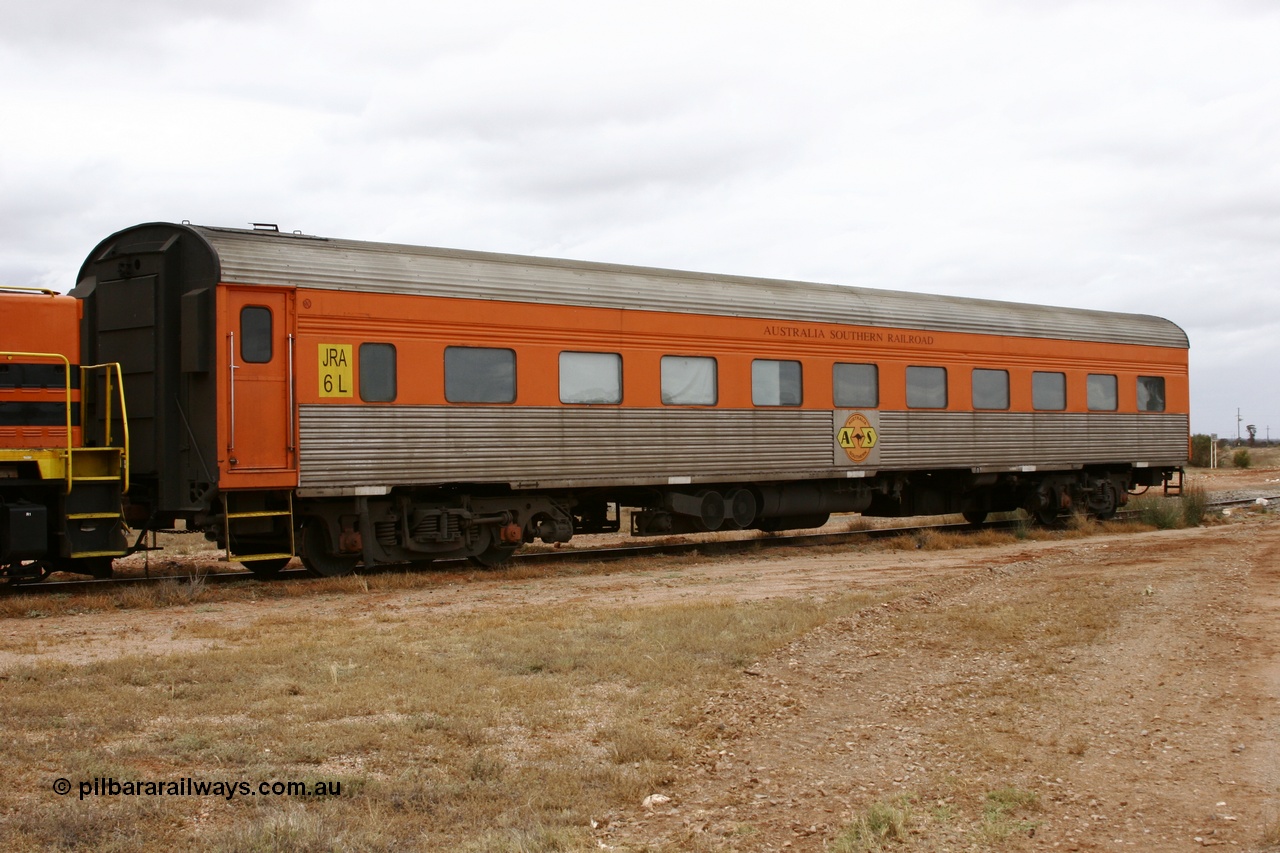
{"x": 228, "y": 789}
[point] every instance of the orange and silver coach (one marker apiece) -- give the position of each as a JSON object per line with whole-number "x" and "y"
{"x": 364, "y": 403}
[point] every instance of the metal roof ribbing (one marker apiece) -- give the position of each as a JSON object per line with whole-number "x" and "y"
{"x": 272, "y": 258}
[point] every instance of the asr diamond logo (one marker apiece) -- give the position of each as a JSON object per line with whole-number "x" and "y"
{"x": 857, "y": 437}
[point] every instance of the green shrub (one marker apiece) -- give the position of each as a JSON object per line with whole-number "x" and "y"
{"x": 1201, "y": 450}
{"x": 1194, "y": 503}
{"x": 1159, "y": 512}
{"x": 1241, "y": 459}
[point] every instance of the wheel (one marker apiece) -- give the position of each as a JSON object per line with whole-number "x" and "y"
{"x": 778, "y": 523}
{"x": 267, "y": 568}
{"x": 742, "y": 508}
{"x": 25, "y": 573}
{"x": 975, "y": 516}
{"x": 318, "y": 555}
{"x": 98, "y": 568}
{"x": 495, "y": 553}
{"x": 1047, "y": 517}
{"x": 1107, "y": 510}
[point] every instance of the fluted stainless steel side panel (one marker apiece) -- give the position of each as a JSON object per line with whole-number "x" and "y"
{"x": 344, "y": 446}
{"x": 268, "y": 258}
{"x": 350, "y": 446}
{"x": 1003, "y": 439}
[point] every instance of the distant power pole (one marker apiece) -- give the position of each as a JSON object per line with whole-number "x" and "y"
{"x": 1239, "y": 420}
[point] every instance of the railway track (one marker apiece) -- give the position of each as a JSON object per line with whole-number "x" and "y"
{"x": 564, "y": 555}
{"x": 569, "y": 555}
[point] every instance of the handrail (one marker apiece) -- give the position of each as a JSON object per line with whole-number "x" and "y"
{"x": 66, "y": 365}
{"x": 124, "y": 412}
{"x": 293, "y": 445}
{"x": 231, "y": 389}
{"x": 13, "y": 288}
{"x": 108, "y": 368}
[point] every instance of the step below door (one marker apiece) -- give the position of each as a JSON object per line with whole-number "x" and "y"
{"x": 260, "y": 439}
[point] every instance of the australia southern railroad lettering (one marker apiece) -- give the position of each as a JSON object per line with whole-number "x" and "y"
{"x": 852, "y": 335}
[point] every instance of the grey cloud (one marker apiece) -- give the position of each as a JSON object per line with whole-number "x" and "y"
{"x": 117, "y": 27}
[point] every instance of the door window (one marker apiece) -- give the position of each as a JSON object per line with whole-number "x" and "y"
{"x": 255, "y": 334}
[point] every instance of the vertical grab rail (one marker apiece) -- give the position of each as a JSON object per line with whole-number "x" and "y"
{"x": 231, "y": 393}
{"x": 124, "y": 420}
{"x": 293, "y": 445}
{"x": 106, "y": 404}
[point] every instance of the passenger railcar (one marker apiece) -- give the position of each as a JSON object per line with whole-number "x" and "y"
{"x": 364, "y": 403}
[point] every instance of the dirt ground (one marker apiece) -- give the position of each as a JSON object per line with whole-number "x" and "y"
{"x": 1159, "y": 733}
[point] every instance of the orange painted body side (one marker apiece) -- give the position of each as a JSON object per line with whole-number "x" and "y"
{"x": 258, "y": 447}
{"x": 38, "y": 323}
{"x": 421, "y": 328}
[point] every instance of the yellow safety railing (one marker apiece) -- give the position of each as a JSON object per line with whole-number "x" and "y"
{"x": 66, "y": 371}
{"x": 108, "y": 369}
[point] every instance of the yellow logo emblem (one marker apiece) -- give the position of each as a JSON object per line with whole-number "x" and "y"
{"x": 857, "y": 437}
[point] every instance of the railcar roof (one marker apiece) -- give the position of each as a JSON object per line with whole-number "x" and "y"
{"x": 274, "y": 258}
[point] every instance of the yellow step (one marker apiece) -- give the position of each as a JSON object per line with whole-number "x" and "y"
{"x": 259, "y": 514}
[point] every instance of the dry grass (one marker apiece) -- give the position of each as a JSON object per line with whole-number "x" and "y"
{"x": 1271, "y": 834}
{"x": 193, "y": 587}
{"x": 930, "y": 539}
{"x": 879, "y": 825}
{"x": 501, "y": 731}
{"x": 1259, "y": 457}
{"x": 506, "y": 730}
{"x": 1005, "y": 814}
{"x": 1016, "y": 657}
{"x": 1157, "y": 512}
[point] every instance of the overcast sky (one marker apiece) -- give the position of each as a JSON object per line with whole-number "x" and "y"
{"x": 1114, "y": 155}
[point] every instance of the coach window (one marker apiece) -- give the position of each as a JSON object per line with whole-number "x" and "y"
{"x": 1048, "y": 391}
{"x": 776, "y": 383}
{"x": 990, "y": 389}
{"x": 1150, "y": 393}
{"x": 856, "y": 386}
{"x": 377, "y": 373}
{"x": 1100, "y": 392}
{"x": 926, "y": 387}
{"x": 688, "y": 381}
{"x": 255, "y": 334}
{"x": 479, "y": 375}
{"x": 590, "y": 377}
